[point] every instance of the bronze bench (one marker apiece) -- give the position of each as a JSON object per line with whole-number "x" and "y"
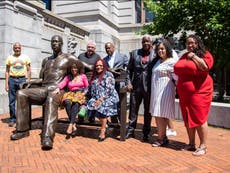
{"x": 119, "y": 77}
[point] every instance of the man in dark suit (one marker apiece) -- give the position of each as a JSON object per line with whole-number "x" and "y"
{"x": 116, "y": 60}
{"x": 139, "y": 85}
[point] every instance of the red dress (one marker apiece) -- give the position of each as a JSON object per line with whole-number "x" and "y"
{"x": 195, "y": 89}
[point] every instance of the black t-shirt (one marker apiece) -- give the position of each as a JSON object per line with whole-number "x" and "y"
{"x": 88, "y": 60}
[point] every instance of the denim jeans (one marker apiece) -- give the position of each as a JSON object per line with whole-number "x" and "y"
{"x": 13, "y": 85}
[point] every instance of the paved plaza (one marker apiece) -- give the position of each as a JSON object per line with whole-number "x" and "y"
{"x": 83, "y": 154}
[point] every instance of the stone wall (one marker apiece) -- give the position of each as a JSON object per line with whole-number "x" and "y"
{"x": 30, "y": 24}
{"x": 219, "y": 114}
{"x": 106, "y": 20}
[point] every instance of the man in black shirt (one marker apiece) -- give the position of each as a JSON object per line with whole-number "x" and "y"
{"x": 89, "y": 57}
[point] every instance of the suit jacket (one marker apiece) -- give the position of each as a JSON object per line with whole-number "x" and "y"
{"x": 120, "y": 62}
{"x": 138, "y": 72}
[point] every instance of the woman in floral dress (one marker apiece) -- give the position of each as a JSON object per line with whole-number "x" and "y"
{"x": 104, "y": 97}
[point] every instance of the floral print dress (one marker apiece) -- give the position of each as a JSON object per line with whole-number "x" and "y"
{"x": 106, "y": 89}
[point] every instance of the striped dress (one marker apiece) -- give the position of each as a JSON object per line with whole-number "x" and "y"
{"x": 162, "y": 101}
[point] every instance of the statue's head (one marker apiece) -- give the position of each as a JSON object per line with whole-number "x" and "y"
{"x": 56, "y": 43}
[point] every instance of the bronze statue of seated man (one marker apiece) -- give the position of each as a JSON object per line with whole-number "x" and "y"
{"x": 53, "y": 70}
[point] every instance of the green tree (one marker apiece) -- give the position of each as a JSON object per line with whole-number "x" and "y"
{"x": 207, "y": 18}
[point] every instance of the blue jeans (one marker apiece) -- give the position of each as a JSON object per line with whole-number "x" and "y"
{"x": 13, "y": 85}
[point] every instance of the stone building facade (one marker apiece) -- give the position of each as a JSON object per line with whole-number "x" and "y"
{"x": 29, "y": 23}
{"x": 118, "y": 21}
{"x": 32, "y": 24}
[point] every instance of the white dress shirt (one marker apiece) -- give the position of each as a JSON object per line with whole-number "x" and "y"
{"x": 111, "y": 60}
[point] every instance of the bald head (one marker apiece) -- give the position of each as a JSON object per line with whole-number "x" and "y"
{"x": 91, "y": 47}
{"x": 146, "y": 43}
{"x": 57, "y": 37}
{"x": 109, "y": 48}
{"x": 17, "y": 49}
{"x": 56, "y": 44}
{"x": 91, "y": 43}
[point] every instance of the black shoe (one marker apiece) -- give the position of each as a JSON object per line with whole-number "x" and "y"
{"x": 166, "y": 141}
{"x": 68, "y": 136}
{"x": 130, "y": 135}
{"x": 11, "y": 123}
{"x": 145, "y": 138}
{"x": 47, "y": 144}
{"x": 101, "y": 139}
{"x": 19, "y": 135}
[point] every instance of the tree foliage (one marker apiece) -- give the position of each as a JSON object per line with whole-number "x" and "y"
{"x": 207, "y": 18}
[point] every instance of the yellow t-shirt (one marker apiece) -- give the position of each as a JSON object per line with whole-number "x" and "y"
{"x": 18, "y": 65}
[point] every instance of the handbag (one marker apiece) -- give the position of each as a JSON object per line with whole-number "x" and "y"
{"x": 82, "y": 112}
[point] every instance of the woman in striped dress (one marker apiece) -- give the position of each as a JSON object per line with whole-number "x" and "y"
{"x": 162, "y": 102}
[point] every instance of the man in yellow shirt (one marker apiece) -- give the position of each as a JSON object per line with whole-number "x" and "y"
{"x": 17, "y": 67}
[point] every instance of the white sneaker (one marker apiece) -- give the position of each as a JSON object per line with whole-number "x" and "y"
{"x": 170, "y": 132}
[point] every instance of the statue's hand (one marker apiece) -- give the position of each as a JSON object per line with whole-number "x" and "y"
{"x": 24, "y": 85}
{"x": 116, "y": 71}
{"x": 89, "y": 67}
{"x": 30, "y": 84}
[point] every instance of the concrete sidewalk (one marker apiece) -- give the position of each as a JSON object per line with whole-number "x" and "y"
{"x": 84, "y": 154}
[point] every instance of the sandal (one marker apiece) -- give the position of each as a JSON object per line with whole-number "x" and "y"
{"x": 74, "y": 133}
{"x": 160, "y": 143}
{"x": 69, "y": 131}
{"x": 189, "y": 147}
{"x": 102, "y": 135}
{"x": 202, "y": 150}
{"x": 166, "y": 140}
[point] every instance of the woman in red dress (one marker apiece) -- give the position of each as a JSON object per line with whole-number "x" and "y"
{"x": 195, "y": 88}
